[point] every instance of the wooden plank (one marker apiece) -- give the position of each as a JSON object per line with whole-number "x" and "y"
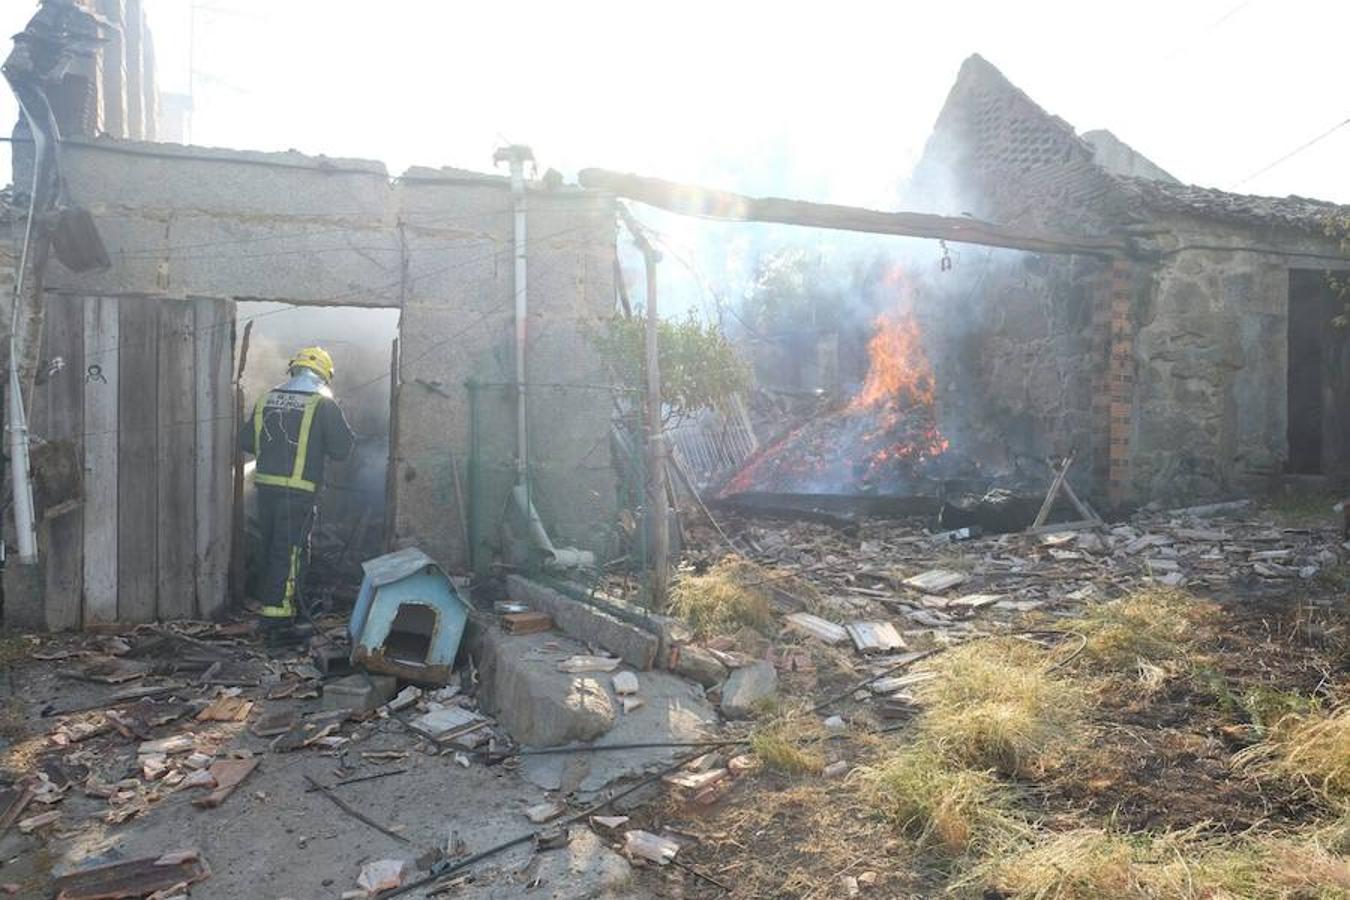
{"x": 214, "y": 324}
{"x": 238, "y": 575}
{"x": 176, "y": 470}
{"x": 707, "y": 203}
{"x": 1060, "y": 472}
{"x": 137, "y": 458}
{"x": 100, "y": 460}
{"x": 64, "y": 390}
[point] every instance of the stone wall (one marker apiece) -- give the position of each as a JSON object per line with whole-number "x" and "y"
{"x": 1011, "y": 343}
{"x": 1211, "y": 356}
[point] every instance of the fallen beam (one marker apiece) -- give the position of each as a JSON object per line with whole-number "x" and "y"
{"x": 694, "y": 200}
{"x": 830, "y": 509}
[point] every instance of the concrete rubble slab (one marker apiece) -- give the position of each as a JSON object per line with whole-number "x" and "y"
{"x": 636, "y": 646}
{"x": 538, "y": 705}
{"x": 746, "y": 687}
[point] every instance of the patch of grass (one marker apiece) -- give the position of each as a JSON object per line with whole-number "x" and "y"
{"x": 1087, "y": 863}
{"x": 1084, "y": 864}
{"x": 734, "y": 593}
{"x": 995, "y": 705}
{"x": 1266, "y": 707}
{"x": 1312, "y": 749}
{"x": 789, "y": 745}
{"x": 1154, "y": 625}
{"x": 1300, "y": 508}
{"x": 953, "y": 810}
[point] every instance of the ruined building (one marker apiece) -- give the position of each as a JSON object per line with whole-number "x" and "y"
{"x": 1201, "y": 364}
{"x": 134, "y": 400}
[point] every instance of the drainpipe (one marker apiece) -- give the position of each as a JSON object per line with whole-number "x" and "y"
{"x": 16, "y": 418}
{"x": 516, "y": 155}
{"x": 535, "y": 533}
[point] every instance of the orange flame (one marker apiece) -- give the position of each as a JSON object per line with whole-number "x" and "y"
{"x": 898, "y": 370}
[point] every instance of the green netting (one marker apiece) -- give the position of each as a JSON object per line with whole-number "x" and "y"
{"x": 585, "y": 476}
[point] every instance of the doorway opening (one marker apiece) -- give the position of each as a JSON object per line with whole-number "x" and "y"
{"x": 1318, "y": 378}
{"x": 410, "y": 634}
{"x": 350, "y": 522}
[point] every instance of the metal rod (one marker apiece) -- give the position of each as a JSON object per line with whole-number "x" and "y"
{"x": 356, "y": 813}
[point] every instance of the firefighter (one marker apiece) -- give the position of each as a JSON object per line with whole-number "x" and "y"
{"x": 294, "y": 428}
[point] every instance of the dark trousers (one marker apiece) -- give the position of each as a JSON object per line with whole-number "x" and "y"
{"x": 286, "y": 518}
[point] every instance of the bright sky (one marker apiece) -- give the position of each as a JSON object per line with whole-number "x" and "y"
{"x": 828, "y": 101}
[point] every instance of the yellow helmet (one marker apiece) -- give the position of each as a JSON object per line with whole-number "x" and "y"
{"x": 316, "y": 359}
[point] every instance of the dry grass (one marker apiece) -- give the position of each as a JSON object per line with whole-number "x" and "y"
{"x": 734, "y": 593}
{"x": 1151, "y": 625}
{"x": 1312, "y": 749}
{"x": 789, "y": 745}
{"x": 995, "y": 705}
{"x": 954, "y": 810}
{"x": 1086, "y": 864}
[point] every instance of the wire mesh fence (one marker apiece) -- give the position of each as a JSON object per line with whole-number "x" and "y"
{"x": 580, "y": 496}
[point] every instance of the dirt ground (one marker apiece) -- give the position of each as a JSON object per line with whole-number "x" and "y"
{"x": 273, "y": 837}
{"x": 1158, "y": 757}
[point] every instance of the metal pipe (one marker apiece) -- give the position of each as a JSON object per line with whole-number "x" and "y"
{"x": 16, "y": 418}
{"x": 516, "y": 155}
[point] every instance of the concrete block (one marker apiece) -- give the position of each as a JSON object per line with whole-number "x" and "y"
{"x": 635, "y": 646}
{"x": 699, "y": 665}
{"x": 536, "y": 704}
{"x": 360, "y": 692}
{"x": 746, "y": 687}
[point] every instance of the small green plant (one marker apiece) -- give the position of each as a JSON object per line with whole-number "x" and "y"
{"x": 700, "y": 367}
{"x": 783, "y": 745}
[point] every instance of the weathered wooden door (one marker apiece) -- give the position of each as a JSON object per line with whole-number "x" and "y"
{"x": 136, "y": 412}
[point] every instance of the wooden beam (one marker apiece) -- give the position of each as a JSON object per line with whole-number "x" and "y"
{"x": 693, "y": 200}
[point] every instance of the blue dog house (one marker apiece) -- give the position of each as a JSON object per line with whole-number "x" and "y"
{"x": 409, "y": 619}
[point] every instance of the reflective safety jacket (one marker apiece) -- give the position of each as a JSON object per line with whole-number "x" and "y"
{"x": 294, "y": 428}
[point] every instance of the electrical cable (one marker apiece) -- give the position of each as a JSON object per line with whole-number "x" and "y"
{"x": 1296, "y": 151}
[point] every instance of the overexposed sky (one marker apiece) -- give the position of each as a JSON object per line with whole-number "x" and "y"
{"x": 821, "y": 100}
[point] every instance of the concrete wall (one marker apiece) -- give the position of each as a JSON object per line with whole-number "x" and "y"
{"x": 1211, "y": 357}
{"x": 181, "y": 222}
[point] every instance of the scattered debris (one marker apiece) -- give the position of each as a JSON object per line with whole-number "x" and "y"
{"x": 226, "y": 708}
{"x": 935, "y": 581}
{"x": 527, "y": 622}
{"x": 382, "y": 875}
{"x": 41, "y": 820}
{"x": 581, "y": 664}
{"x": 544, "y": 812}
{"x": 645, "y": 845}
{"x": 134, "y": 878}
{"x": 625, "y": 683}
{"x": 875, "y": 637}
{"x": 228, "y": 773}
{"x": 747, "y": 687}
{"x": 818, "y": 628}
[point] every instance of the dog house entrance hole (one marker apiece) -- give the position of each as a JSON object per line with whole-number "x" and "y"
{"x": 409, "y": 639}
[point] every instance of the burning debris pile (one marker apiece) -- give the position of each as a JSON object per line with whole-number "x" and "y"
{"x": 885, "y": 440}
